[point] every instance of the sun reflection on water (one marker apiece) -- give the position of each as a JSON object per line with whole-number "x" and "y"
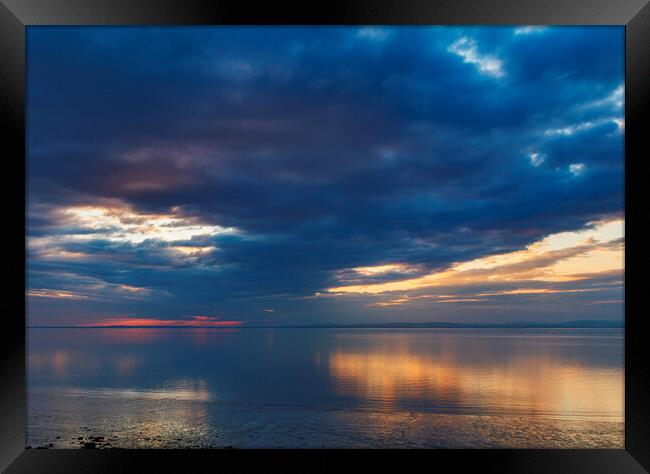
{"x": 261, "y": 388}
{"x": 528, "y": 384}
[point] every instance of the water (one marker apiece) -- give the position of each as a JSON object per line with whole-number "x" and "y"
{"x": 290, "y": 388}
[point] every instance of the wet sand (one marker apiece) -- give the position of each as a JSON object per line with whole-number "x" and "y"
{"x": 69, "y": 422}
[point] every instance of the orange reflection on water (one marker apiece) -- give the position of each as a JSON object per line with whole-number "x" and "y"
{"x": 130, "y": 335}
{"x": 125, "y": 365}
{"x": 527, "y": 385}
{"x": 58, "y": 361}
{"x": 135, "y": 336}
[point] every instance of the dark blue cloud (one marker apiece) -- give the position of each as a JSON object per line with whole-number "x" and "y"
{"x": 327, "y": 148}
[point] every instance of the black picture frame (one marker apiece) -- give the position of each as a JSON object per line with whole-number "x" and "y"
{"x": 15, "y": 15}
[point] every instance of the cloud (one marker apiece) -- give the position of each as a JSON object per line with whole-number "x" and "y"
{"x": 576, "y": 169}
{"x": 529, "y": 30}
{"x": 565, "y": 257}
{"x": 93, "y": 232}
{"x": 49, "y": 293}
{"x": 536, "y": 159}
{"x": 373, "y": 33}
{"x": 573, "y": 129}
{"x": 236, "y": 169}
{"x": 194, "y": 321}
{"x": 71, "y": 286}
{"x": 615, "y": 100}
{"x": 467, "y": 49}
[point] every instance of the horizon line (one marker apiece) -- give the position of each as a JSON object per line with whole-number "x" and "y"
{"x": 396, "y": 325}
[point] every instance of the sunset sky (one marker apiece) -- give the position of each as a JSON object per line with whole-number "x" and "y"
{"x": 221, "y": 176}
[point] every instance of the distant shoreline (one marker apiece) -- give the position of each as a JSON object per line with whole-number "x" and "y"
{"x": 580, "y": 324}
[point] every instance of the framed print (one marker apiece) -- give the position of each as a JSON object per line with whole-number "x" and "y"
{"x": 264, "y": 235}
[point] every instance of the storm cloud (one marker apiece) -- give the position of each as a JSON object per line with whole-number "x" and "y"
{"x": 239, "y": 173}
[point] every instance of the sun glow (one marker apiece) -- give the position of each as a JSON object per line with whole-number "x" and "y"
{"x": 383, "y": 269}
{"x": 562, "y": 257}
{"x": 56, "y": 294}
{"x": 174, "y": 234}
{"x": 195, "y": 321}
{"x": 124, "y": 224}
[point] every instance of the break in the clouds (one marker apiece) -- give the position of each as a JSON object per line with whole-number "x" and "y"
{"x": 279, "y": 175}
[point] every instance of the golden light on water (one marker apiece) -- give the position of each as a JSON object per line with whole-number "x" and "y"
{"x": 532, "y": 385}
{"x": 462, "y": 388}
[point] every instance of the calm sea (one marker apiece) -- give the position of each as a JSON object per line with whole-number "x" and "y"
{"x": 249, "y": 388}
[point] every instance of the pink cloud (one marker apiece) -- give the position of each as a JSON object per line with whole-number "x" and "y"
{"x": 195, "y": 321}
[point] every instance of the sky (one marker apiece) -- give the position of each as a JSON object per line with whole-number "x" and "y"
{"x": 227, "y": 176}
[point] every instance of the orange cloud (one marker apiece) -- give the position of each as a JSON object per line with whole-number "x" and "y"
{"x": 57, "y": 294}
{"x": 121, "y": 223}
{"x": 562, "y": 257}
{"x": 196, "y": 321}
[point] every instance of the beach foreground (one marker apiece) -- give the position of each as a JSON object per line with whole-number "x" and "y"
{"x": 146, "y": 424}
